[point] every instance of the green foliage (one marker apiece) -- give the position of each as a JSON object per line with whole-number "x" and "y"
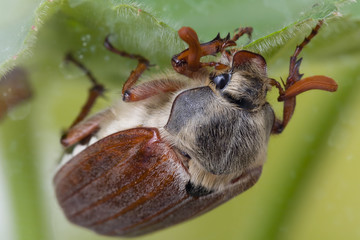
{"x": 309, "y": 186}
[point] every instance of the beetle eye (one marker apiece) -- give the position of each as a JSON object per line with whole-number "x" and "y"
{"x": 221, "y": 80}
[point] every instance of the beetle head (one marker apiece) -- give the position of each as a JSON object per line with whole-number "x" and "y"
{"x": 245, "y": 83}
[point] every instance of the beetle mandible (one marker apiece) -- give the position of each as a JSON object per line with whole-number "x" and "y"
{"x": 179, "y": 145}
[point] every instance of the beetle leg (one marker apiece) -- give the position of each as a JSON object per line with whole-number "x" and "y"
{"x": 143, "y": 64}
{"x": 188, "y": 61}
{"x": 132, "y": 93}
{"x": 151, "y": 88}
{"x": 241, "y": 31}
{"x": 295, "y": 85}
{"x": 84, "y": 129}
{"x": 94, "y": 92}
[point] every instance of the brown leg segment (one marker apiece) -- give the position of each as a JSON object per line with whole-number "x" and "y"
{"x": 94, "y": 92}
{"x": 152, "y": 88}
{"x": 130, "y": 91}
{"x": 143, "y": 64}
{"x": 84, "y": 129}
{"x": 241, "y": 31}
{"x": 294, "y": 85}
{"x": 188, "y": 61}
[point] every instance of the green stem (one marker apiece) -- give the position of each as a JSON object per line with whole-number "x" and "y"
{"x": 21, "y": 170}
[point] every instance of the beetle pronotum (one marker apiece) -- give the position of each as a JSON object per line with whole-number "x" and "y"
{"x": 179, "y": 145}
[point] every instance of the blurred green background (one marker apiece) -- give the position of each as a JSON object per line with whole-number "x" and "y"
{"x": 310, "y": 187}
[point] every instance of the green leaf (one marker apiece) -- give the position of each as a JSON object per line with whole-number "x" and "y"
{"x": 290, "y": 199}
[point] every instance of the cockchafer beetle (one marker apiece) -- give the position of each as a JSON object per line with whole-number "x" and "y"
{"x": 179, "y": 145}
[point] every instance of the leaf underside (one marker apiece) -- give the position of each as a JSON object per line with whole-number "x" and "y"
{"x": 291, "y": 195}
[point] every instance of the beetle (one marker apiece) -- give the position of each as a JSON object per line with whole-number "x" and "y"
{"x": 178, "y": 146}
